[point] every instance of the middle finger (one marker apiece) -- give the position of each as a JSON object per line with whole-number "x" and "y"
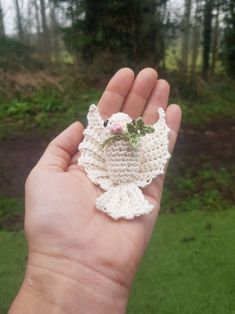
{"x": 140, "y": 92}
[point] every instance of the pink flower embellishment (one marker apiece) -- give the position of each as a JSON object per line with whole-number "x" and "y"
{"x": 116, "y": 129}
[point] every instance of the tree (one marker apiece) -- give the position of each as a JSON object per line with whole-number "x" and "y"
{"x": 2, "y": 26}
{"x": 186, "y": 33}
{"x": 228, "y": 47}
{"x": 29, "y": 23}
{"x": 215, "y": 37}
{"x": 19, "y": 22}
{"x": 116, "y": 32}
{"x": 54, "y": 28}
{"x": 207, "y": 31}
{"x": 37, "y": 22}
{"x": 45, "y": 30}
{"x": 196, "y": 36}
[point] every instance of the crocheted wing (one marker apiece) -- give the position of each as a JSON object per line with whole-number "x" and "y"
{"x": 92, "y": 159}
{"x": 155, "y": 152}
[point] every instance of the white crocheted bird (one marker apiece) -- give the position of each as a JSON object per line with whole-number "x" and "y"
{"x": 122, "y": 155}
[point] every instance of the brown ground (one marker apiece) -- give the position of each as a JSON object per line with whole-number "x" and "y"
{"x": 19, "y": 154}
{"x": 12, "y": 83}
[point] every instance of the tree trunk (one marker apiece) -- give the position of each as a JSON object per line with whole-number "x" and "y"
{"x": 229, "y": 38}
{"x": 54, "y": 29}
{"x": 186, "y": 33}
{"x": 19, "y": 21}
{"x": 163, "y": 20}
{"x": 195, "y": 38}
{"x": 2, "y": 26}
{"x": 215, "y": 40}
{"x": 38, "y": 23}
{"x": 29, "y": 24}
{"x": 45, "y": 31}
{"x": 207, "y": 37}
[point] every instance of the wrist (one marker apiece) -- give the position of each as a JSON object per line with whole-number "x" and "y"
{"x": 56, "y": 285}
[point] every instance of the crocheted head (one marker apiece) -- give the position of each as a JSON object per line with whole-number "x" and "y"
{"x": 122, "y": 127}
{"x": 122, "y": 156}
{"x": 117, "y": 123}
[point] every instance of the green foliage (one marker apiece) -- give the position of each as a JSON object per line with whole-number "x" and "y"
{"x": 23, "y": 114}
{"x": 115, "y": 138}
{"x": 136, "y": 129}
{"x": 43, "y": 110}
{"x": 50, "y": 108}
{"x": 48, "y": 100}
{"x": 205, "y": 189}
{"x": 42, "y": 101}
{"x": 18, "y": 108}
{"x": 205, "y": 103}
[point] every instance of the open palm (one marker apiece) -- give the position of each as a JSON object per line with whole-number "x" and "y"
{"x": 62, "y": 223}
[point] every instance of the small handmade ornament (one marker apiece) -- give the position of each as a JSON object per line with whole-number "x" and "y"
{"x": 122, "y": 155}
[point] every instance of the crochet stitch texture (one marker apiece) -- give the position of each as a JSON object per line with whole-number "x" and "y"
{"x": 118, "y": 167}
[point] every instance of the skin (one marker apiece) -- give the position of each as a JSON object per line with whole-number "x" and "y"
{"x": 79, "y": 259}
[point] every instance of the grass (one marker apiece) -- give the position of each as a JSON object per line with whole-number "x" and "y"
{"x": 49, "y": 108}
{"x": 188, "y": 267}
{"x": 12, "y": 265}
{"x": 206, "y": 188}
{"x": 11, "y": 213}
{"x": 9, "y": 206}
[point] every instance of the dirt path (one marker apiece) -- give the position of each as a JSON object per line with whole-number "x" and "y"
{"x": 19, "y": 154}
{"x": 17, "y": 157}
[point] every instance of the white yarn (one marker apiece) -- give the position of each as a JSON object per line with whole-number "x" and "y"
{"x": 120, "y": 169}
{"x": 124, "y": 201}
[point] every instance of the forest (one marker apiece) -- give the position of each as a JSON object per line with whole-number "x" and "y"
{"x": 133, "y": 32}
{"x": 56, "y": 57}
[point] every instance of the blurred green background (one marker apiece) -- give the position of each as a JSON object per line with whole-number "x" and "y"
{"x": 55, "y": 59}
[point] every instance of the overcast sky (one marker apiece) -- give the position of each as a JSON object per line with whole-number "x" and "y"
{"x": 9, "y": 12}
{"x": 8, "y": 15}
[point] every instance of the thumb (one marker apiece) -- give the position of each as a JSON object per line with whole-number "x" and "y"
{"x": 61, "y": 149}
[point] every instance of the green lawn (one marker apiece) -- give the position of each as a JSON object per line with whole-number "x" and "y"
{"x": 12, "y": 263}
{"x": 189, "y": 266}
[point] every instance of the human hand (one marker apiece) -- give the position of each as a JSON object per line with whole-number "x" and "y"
{"x": 80, "y": 260}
